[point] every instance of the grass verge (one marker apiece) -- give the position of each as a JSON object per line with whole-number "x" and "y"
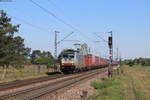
{"x": 22, "y": 73}
{"x": 133, "y": 84}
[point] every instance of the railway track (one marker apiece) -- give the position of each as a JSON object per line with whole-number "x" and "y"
{"x": 21, "y": 83}
{"x": 36, "y": 92}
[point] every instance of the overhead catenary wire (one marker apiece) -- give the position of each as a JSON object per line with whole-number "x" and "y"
{"x": 59, "y": 9}
{"x": 52, "y": 14}
{"x": 65, "y": 37}
{"x": 51, "y": 2}
{"x": 27, "y": 22}
{"x": 59, "y": 19}
{"x": 30, "y": 24}
{"x": 101, "y": 38}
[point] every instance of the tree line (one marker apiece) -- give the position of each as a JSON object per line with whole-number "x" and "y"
{"x": 137, "y": 61}
{"x": 13, "y": 50}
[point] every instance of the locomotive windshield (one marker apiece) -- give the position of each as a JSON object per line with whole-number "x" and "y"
{"x": 68, "y": 55}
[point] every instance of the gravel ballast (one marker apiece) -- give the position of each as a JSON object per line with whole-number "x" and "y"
{"x": 78, "y": 91}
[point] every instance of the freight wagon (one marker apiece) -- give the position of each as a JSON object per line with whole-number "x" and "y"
{"x": 75, "y": 60}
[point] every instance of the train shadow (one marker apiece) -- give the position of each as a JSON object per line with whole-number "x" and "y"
{"x": 53, "y": 73}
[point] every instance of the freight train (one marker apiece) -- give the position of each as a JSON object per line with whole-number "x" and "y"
{"x": 75, "y": 60}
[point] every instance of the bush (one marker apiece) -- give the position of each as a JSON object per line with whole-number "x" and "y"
{"x": 98, "y": 85}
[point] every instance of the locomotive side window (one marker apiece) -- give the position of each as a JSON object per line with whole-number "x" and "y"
{"x": 65, "y": 56}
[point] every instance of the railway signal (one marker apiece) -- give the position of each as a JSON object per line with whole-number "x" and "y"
{"x": 110, "y": 41}
{"x": 110, "y": 44}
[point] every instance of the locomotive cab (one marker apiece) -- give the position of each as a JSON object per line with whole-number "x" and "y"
{"x": 67, "y": 62}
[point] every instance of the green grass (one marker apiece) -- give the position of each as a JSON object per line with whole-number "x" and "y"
{"x": 146, "y": 67}
{"x": 98, "y": 85}
{"x": 104, "y": 89}
{"x": 148, "y": 77}
{"x": 133, "y": 84}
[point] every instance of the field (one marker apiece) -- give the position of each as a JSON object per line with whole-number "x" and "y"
{"x": 133, "y": 84}
{"x": 29, "y": 71}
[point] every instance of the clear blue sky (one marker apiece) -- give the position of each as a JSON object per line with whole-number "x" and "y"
{"x": 128, "y": 19}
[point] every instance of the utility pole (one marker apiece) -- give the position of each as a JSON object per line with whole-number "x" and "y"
{"x": 55, "y": 44}
{"x": 110, "y": 44}
{"x": 58, "y": 42}
{"x": 117, "y": 55}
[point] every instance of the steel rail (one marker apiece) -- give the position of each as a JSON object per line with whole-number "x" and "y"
{"x": 21, "y": 83}
{"x": 75, "y": 77}
{"x": 66, "y": 84}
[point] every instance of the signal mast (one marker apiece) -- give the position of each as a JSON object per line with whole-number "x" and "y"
{"x": 110, "y": 44}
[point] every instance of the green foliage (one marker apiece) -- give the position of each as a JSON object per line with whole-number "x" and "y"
{"x": 12, "y": 49}
{"x": 139, "y": 61}
{"x": 130, "y": 63}
{"x": 44, "y": 61}
{"x": 44, "y": 58}
{"x": 37, "y": 54}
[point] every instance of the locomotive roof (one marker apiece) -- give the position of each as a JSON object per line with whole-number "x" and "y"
{"x": 66, "y": 50}
{"x": 69, "y": 50}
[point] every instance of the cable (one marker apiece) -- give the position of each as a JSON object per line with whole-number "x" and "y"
{"x": 47, "y": 11}
{"x": 65, "y": 38}
{"x": 101, "y": 38}
{"x": 52, "y": 14}
{"x": 35, "y": 26}
{"x": 26, "y": 22}
{"x": 60, "y": 10}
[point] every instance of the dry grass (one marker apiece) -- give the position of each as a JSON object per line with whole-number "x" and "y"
{"x": 23, "y": 73}
{"x": 134, "y": 84}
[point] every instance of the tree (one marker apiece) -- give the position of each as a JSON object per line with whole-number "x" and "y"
{"x": 138, "y": 61}
{"x": 42, "y": 58}
{"x": 12, "y": 49}
{"x": 20, "y": 53}
{"x": 7, "y": 31}
{"x": 35, "y": 55}
{"x": 47, "y": 54}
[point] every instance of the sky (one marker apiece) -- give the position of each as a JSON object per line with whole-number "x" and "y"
{"x": 129, "y": 20}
